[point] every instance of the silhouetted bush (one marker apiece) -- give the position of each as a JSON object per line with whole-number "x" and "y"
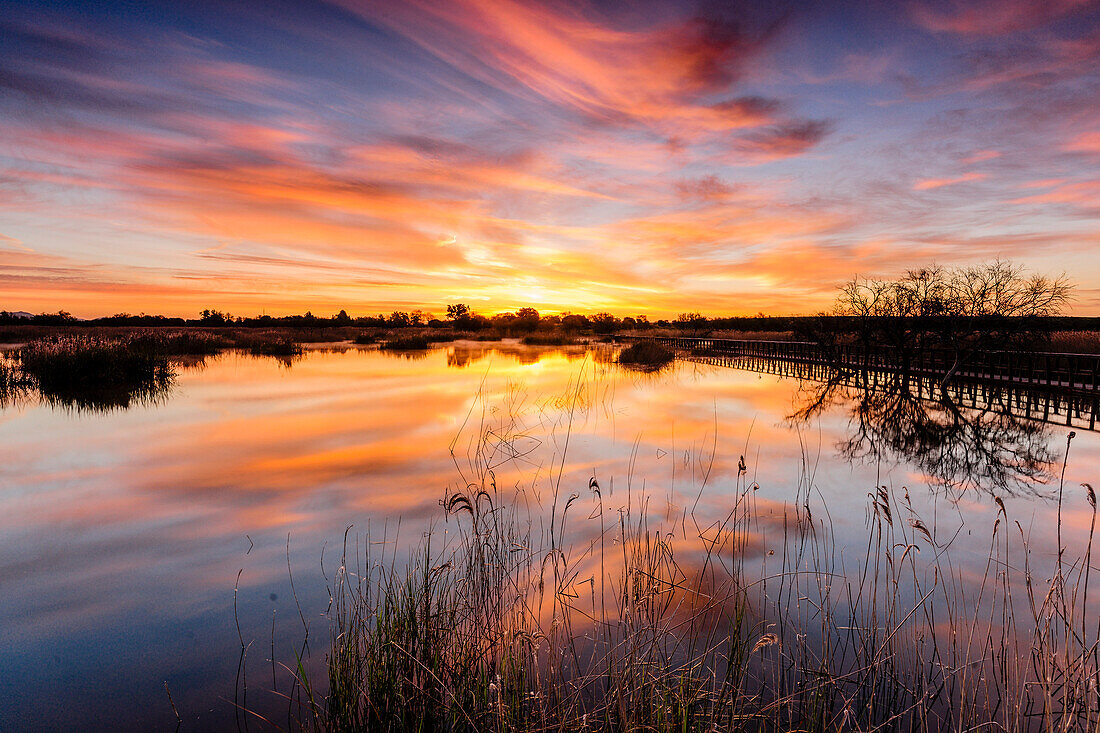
{"x": 646, "y": 354}
{"x": 407, "y": 343}
{"x": 97, "y": 373}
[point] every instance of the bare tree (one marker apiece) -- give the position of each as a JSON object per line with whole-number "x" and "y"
{"x": 695, "y": 322}
{"x": 966, "y": 309}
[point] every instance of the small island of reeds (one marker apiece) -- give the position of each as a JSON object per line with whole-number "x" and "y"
{"x": 646, "y": 355}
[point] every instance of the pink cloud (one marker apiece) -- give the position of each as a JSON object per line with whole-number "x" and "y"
{"x": 981, "y": 156}
{"x": 993, "y": 17}
{"x": 1085, "y": 142}
{"x": 928, "y": 184}
{"x": 1082, "y": 193}
{"x": 674, "y": 78}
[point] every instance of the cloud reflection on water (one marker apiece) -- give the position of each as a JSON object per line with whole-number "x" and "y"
{"x": 113, "y": 524}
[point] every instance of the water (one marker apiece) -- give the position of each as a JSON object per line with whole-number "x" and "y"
{"x": 122, "y": 532}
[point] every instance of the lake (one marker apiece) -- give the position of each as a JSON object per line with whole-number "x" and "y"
{"x": 134, "y": 543}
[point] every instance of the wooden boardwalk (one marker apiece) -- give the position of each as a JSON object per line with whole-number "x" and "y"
{"x": 1058, "y": 389}
{"x": 1078, "y": 410}
{"x": 1071, "y": 372}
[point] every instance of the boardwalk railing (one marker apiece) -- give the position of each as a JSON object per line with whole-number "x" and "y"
{"x": 1076, "y": 372}
{"x": 1075, "y": 409}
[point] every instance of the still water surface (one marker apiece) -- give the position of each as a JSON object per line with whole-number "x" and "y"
{"x": 122, "y": 532}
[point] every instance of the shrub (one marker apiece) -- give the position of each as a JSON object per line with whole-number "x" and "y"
{"x": 646, "y": 354}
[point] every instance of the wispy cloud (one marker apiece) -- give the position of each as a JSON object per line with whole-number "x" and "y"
{"x": 927, "y": 184}
{"x": 981, "y": 156}
{"x": 1085, "y": 142}
{"x": 992, "y": 17}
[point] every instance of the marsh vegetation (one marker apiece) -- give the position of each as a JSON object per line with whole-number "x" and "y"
{"x": 96, "y": 371}
{"x": 407, "y": 343}
{"x": 90, "y": 372}
{"x": 646, "y": 355}
{"x": 600, "y": 615}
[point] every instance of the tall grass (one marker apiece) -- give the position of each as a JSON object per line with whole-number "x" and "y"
{"x": 194, "y": 343}
{"x": 14, "y": 384}
{"x": 407, "y": 343}
{"x": 268, "y": 343}
{"x": 602, "y": 617}
{"x": 93, "y": 372}
{"x": 176, "y": 343}
{"x": 1074, "y": 342}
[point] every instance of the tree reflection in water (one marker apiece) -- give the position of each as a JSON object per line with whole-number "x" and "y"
{"x": 961, "y": 436}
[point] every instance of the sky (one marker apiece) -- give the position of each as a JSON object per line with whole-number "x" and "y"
{"x": 638, "y": 157}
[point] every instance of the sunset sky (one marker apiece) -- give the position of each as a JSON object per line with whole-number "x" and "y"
{"x": 638, "y": 157}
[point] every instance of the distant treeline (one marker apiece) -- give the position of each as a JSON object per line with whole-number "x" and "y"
{"x": 525, "y": 320}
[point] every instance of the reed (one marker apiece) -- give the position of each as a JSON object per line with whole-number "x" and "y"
{"x": 504, "y": 623}
{"x": 75, "y": 361}
{"x": 176, "y": 343}
{"x": 407, "y": 343}
{"x": 92, "y": 372}
{"x": 268, "y": 343}
{"x": 14, "y": 384}
{"x": 646, "y": 355}
{"x": 1074, "y": 342}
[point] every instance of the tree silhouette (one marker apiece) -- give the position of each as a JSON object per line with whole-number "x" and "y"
{"x": 965, "y": 309}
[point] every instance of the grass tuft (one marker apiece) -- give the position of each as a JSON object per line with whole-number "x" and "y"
{"x": 268, "y": 343}
{"x": 97, "y": 373}
{"x": 646, "y": 354}
{"x": 407, "y": 343}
